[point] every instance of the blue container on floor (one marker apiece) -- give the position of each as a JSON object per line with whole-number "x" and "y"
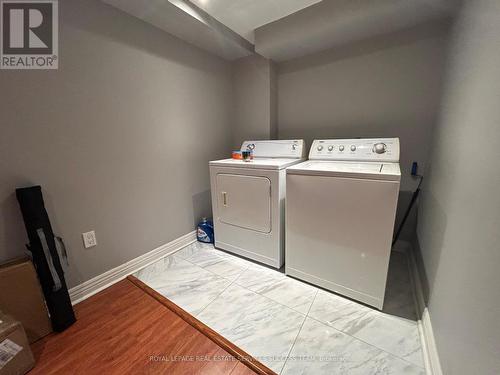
{"x": 205, "y": 231}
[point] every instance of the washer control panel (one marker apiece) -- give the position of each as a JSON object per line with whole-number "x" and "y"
{"x": 294, "y": 148}
{"x": 368, "y": 149}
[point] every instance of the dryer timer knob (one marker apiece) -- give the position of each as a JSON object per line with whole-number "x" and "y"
{"x": 379, "y": 148}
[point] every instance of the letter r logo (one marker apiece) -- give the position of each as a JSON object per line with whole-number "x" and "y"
{"x": 27, "y": 28}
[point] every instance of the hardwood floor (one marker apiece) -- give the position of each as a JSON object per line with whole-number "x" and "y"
{"x": 123, "y": 330}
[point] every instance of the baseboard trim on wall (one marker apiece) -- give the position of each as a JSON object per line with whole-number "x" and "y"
{"x": 108, "y": 278}
{"x": 429, "y": 348}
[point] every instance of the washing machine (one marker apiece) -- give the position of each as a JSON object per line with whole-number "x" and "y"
{"x": 248, "y": 200}
{"x": 340, "y": 213}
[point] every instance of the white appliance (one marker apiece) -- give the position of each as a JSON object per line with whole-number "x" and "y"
{"x": 340, "y": 212}
{"x": 248, "y": 200}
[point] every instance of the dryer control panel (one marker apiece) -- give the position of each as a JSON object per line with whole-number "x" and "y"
{"x": 276, "y": 148}
{"x": 367, "y": 149}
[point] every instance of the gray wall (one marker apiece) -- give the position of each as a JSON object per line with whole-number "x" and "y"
{"x": 459, "y": 218}
{"x": 255, "y": 103}
{"x": 119, "y": 137}
{"x": 384, "y": 87}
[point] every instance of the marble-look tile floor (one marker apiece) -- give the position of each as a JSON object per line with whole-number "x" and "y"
{"x": 291, "y": 326}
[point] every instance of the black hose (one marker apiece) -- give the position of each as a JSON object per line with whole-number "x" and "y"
{"x": 408, "y": 210}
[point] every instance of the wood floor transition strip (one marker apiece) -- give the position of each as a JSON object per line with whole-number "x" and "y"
{"x": 249, "y": 361}
{"x": 123, "y": 330}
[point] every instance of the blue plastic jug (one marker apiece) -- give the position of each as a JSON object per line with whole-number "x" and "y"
{"x": 205, "y": 231}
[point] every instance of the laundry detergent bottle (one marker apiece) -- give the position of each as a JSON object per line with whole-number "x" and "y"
{"x": 205, "y": 231}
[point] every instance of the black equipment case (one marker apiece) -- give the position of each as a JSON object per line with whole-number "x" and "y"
{"x": 42, "y": 246}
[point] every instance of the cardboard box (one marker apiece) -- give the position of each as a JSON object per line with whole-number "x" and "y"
{"x": 22, "y": 298}
{"x": 16, "y": 357}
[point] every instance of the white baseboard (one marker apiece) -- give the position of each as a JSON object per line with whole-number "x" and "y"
{"x": 429, "y": 348}
{"x": 430, "y": 345}
{"x": 108, "y": 278}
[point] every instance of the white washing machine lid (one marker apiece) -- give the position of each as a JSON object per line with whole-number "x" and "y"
{"x": 367, "y": 170}
{"x": 257, "y": 163}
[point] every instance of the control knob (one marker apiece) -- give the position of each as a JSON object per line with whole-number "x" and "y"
{"x": 379, "y": 148}
{"x": 330, "y": 148}
{"x": 353, "y": 148}
{"x": 341, "y": 148}
{"x": 320, "y": 148}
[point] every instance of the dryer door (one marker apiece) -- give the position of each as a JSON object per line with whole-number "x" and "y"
{"x": 244, "y": 201}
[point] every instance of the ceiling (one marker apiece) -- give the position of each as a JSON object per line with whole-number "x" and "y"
{"x": 334, "y": 23}
{"x": 244, "y": 16}
{"x": 282, "y": 30}
{"x": 189, "y": 23}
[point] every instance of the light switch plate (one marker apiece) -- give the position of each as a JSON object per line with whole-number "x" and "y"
{"x": 89, "y": 239}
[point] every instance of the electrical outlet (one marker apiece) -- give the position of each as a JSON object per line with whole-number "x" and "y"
{"x": 89, "y": 239}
